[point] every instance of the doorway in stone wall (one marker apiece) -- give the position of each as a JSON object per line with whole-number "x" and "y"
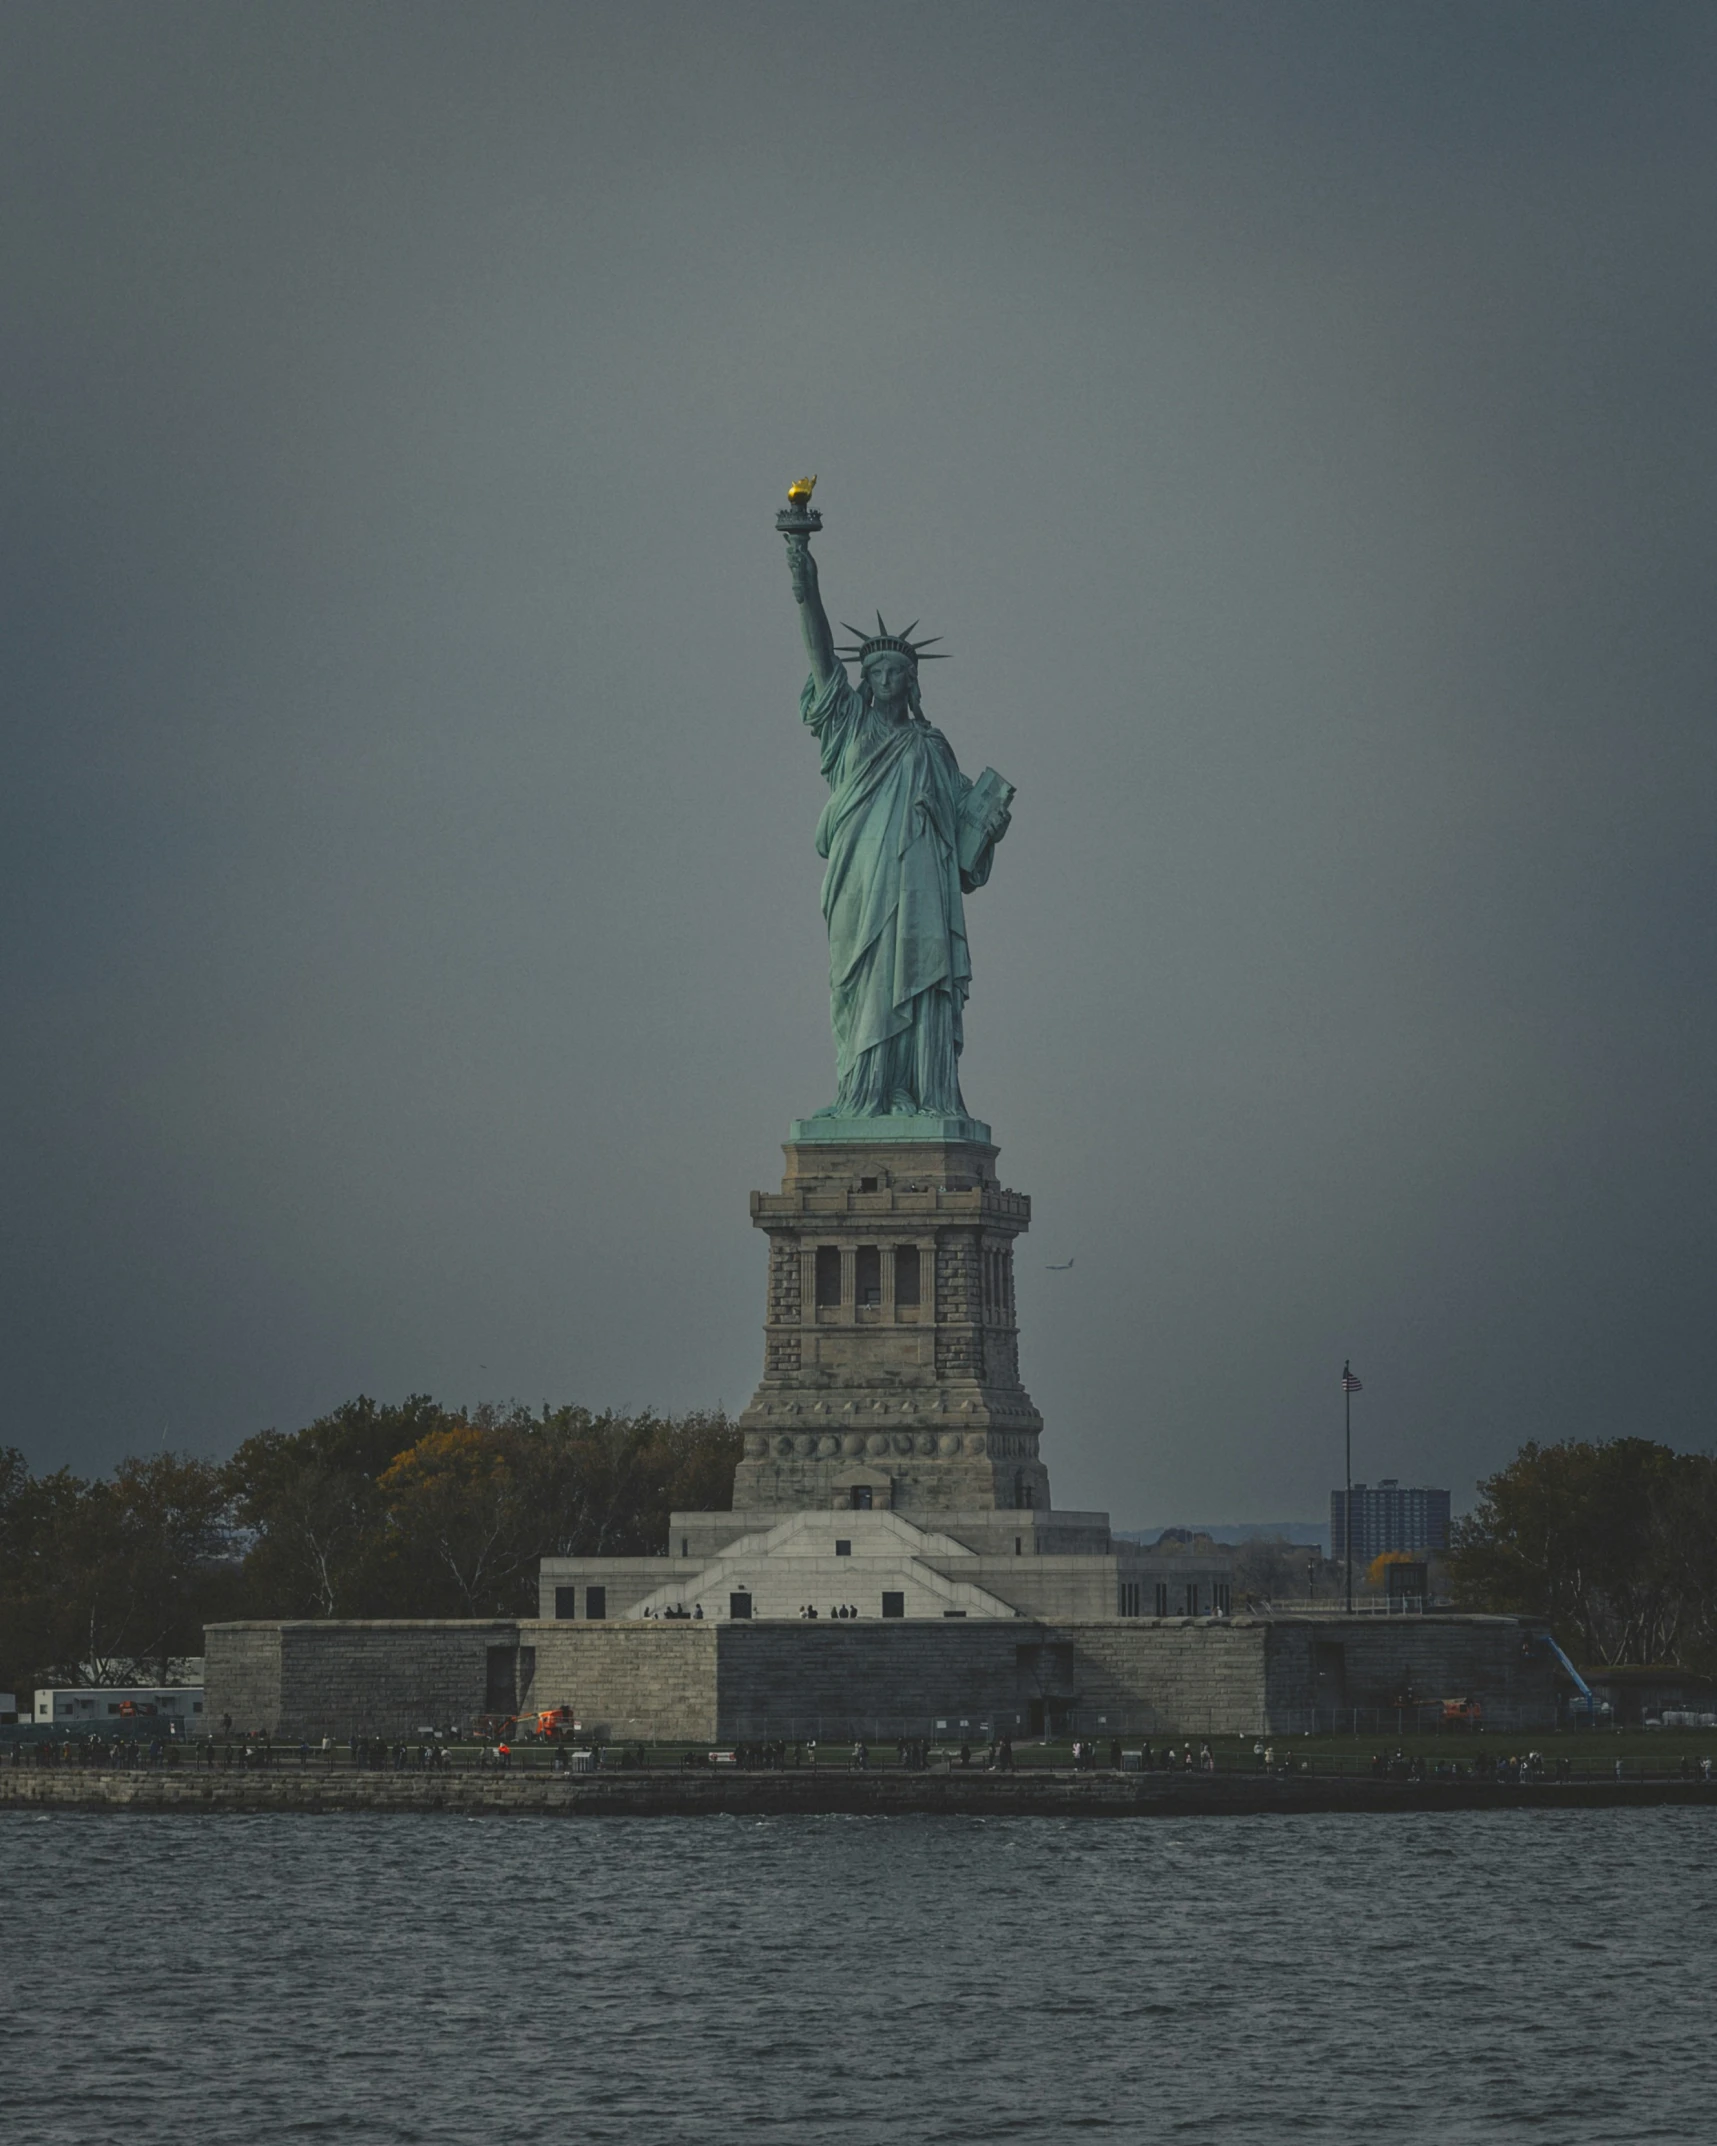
{"x": 501, "y": 1682}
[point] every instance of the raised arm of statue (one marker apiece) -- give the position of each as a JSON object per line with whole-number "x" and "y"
{"x": 813, "y": 619}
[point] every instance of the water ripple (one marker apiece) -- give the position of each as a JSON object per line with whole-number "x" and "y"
{"x": 426, "y": 1980}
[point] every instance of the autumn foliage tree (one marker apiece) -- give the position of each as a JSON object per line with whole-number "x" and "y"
{"x": 414, "y": 1510}
{"x": 313, "y": 1512}
{"x": 463, "y": 1524}
{"x": 475, "y": 1504}
{"x": 377, "y": 1509}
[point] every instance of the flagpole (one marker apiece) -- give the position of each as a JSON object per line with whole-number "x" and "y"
{"x": 1347, "y": 1508}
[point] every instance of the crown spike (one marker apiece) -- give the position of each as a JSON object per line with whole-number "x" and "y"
{"x": 866, "y": 645}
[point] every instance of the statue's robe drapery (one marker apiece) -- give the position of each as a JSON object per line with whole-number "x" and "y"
{"x": 899, "y": 970}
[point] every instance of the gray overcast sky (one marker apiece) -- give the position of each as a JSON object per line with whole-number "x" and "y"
{"x": 1298, "y": 418}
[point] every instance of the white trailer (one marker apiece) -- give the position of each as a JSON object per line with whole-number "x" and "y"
{"x": 177, "y": 1706}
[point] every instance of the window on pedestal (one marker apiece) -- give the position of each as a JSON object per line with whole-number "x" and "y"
{"x": 1131, "y": 1591}
{"x": 1162, "y": 1608}
{"x": 596, "y": 1602}
{"x": 867, "y": 1275}
{"x": 828, "y": 1275}
{"x": 906, "y": 1274}
{"x": 566, "y": 1601}
{"x": 861, "y": 1496}
{"x": 894, "y": 1605}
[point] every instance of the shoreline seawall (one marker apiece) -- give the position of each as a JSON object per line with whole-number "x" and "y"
{"x": 804, "y": 1793}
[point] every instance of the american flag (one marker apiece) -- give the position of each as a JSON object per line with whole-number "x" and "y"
{"x": 1349, "y": 1384}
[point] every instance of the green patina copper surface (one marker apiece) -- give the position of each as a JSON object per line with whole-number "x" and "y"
{"x": 828, "y": 1126}
{"x": 907, "y": 837}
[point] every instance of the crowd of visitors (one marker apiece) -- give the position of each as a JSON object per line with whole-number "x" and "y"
{"x": 109, "y": 1754}
{"x": 257, "y": 1750}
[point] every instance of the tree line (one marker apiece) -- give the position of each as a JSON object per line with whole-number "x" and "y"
{"x": 407, "y": 1510}
{"x": 415, "y": 1510}
{"x": 1613, "y": 1544}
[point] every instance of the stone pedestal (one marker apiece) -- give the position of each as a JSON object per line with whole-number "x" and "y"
{"x": 891, "y": 1358}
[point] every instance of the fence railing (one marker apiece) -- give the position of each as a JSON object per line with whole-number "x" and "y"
{"x": 1335, "y": 1606}
{"x": 1277, "y": 1759}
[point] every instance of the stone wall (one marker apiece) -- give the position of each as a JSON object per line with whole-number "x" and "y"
{"x": 1057, "y": 1590}
{"x": 652, "y": 1681}
{"x": 386, "y": 1678}
{"x": 699, "y": 1683}
{"x": 1213, "y": 1677}
{"x": 1145, "y": 1678}
{"x": 393, "y": 1678}
{"x": 832, "y": 1681}
{"x": 1322, "y": 1669}
{"x": 1168, "y": 1679}
{"x": 241, "y": 1676}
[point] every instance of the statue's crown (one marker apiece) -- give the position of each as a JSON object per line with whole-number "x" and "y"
{"x": 897, "y": 644}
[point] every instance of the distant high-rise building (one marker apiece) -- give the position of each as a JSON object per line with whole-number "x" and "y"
{"x": 1387, "y": 1516}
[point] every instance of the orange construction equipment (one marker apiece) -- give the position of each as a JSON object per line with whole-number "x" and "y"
{"x": 1462, "y": 1713}
{"x": 552, "y": 1719}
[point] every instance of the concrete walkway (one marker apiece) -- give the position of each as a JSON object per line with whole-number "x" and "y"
{"x": 676, "y": 1794}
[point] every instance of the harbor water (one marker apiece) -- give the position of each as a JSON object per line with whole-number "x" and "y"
{"x": 1473, "y": 1976}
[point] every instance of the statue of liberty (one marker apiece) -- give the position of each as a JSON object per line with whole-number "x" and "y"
{"x": 906, "y": 836}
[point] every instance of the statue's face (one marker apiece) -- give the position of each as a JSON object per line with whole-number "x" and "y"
{"x": 888, "y": 676}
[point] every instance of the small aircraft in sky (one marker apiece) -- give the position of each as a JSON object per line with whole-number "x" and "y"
{"x": 1065, "y": 1267}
